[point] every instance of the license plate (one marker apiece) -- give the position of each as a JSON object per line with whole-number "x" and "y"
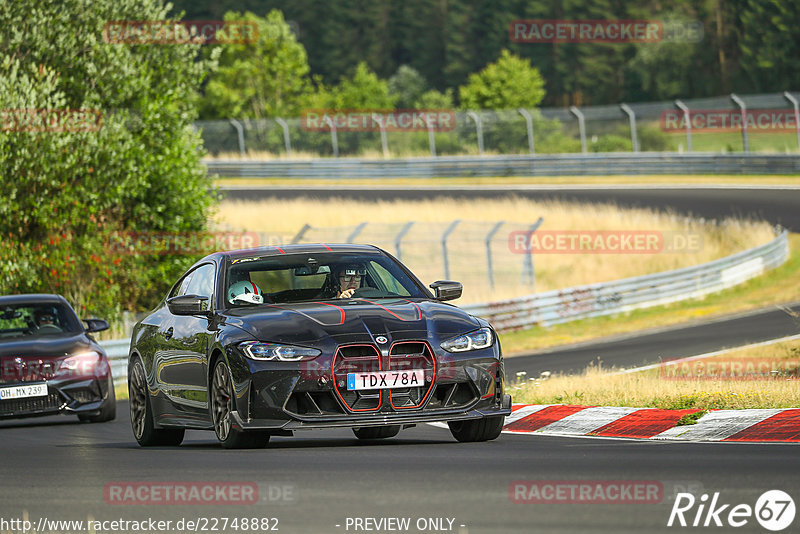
{"x": 21, "y": 392}
{"x": 386, "y": 379}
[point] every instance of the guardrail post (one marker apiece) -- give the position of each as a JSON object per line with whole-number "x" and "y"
{"x": 287, "y": 143}
{"x": 399, "y": 238}
{"x": 444, "y": 247}
{"x": 788, "y": 96}
{"x": 431, "y": 138}
{"x": 334, "y": 139}
{"x": 355, "y": 233}
{"x": 384, "y": 144}
{"x": 240, "y": 135}
{"x": 581, "y": 126}
{"x": 739, "y": 102}
{"x": 488, "y": 243}
{"x": 527, "y": 261}
{"x": 632, "y": 118}
{"x": 529, "y": 126}
{"x": 687, "y": 118}
{"x": 296, "y": 239}
{"x": 478, "y": 128}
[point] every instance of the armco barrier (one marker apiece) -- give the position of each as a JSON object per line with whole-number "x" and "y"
{"x": 593, "y": 300}
{"x": 538, "y": 165}
{"x": 608, "y": 298}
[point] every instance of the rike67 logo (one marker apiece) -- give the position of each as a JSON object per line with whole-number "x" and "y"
{"x": 774, "y": 510}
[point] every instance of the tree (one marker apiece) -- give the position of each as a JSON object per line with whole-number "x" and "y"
{"x": 510, "y": 82}
{"x": 364, "y": 90}
{"x": 406, "y": 86}
{"x": 64, "y": 193}
{"x": 269, "y": 78}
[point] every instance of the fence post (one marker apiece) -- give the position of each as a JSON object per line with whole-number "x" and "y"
{"x": 527, "y": 261}
{"x": 529, "y": 125}
{"x": 399, "y": 238}
{"x": 431, "y": 138}
{"x": 687, "y": 118}
{"x": 334, "y": 140}
{"x": 581, "y": 126}
{"x": 355, "y": 233}
{"x": 296, "y": 239}
{"x": 739, "y": 102}
{"x": 488, "y": 243}
{"x": 444, "y": 247}
{"x": 286, "y": 140}
{"x": 632, "y": 118}
{"x": 788, "y": 96}
{"x": 240, "y": 135}
{"x": 478, "y": 128}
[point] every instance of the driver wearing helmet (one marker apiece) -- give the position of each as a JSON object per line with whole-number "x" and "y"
{"x": 349, "y": 278}
{"x": 245, "y": 293}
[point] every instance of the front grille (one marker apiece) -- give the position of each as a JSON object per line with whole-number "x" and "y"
{"x": 409, "y": 355}
{"x": 84, "y": 395}
{"x": 31, "y": 405}
{"x": 357, "y": 359}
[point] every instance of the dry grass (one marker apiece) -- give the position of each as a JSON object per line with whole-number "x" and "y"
{"x": 334, "y": 219}
{"x": 607, "y": 387}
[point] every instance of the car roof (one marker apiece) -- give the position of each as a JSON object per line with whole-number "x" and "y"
{"x": 305, "y": 248}
{"x": 32, "y": 298}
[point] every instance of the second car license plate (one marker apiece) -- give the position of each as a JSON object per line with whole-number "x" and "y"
{"x": 21, "y": 392}
{"x": 386, "y": 379}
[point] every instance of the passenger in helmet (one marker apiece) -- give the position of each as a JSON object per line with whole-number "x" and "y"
{"x": 245, "y": 293}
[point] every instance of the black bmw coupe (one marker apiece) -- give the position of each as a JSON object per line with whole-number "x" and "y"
{"x": 267, "y": 341}
{"x": 50, "y": 363}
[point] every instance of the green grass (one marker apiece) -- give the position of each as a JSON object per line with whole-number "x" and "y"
{"x": 775, "y": 287}
{"x": 691, "y": 418}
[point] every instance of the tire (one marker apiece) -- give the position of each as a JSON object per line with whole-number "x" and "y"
{"x": 221, "y": 405}
{"x": 484, "y": 429}
{"x": 377, "y": 432}
{"x": 142, "y": 413}
{"x": 108, "y": 412}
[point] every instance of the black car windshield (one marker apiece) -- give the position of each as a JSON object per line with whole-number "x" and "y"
{"x": 309, "y": 277}
{"x": 35, "y": 320}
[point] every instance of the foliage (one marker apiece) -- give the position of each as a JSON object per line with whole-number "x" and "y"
{"x": 508, "y": 83}
{"x": 65, "y": 193}
{"x": 407, "y": 87}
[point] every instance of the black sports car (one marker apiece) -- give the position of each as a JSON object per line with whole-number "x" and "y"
{"x": 267, "y": 341}
{"x": 49, "y": 362}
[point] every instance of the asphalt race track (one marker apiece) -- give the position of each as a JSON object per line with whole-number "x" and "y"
{"x": 316, "y": 480}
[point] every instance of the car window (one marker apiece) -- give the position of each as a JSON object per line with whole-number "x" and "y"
{"x": 34, "y": 320}
{"x": 202, "y": 283}
{"x": 180, "y": 289}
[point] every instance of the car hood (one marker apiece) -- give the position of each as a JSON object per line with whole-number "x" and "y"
{"x": 352, "y": 320}
{"x": 55, "y": 345}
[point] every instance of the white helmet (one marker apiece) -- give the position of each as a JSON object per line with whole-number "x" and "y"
{"x": 245, "y": 293}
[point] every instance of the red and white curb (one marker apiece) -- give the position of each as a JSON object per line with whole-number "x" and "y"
{"x": 776, "y": 425}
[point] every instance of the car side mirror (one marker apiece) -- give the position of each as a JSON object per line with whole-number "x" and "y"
{"x": 95, "y": 325}
{"x": 187, "y": 305}
{"x": 446, "y": 289}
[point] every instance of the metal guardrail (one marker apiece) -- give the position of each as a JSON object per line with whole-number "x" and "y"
{"x": 560, "y": 306}
{"x": 538, "y": 165}
{"x": 593, "y": 300}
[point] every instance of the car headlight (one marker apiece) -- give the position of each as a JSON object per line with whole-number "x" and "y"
{"x": 479, "y": 339}
{"x": 275, "y": 351}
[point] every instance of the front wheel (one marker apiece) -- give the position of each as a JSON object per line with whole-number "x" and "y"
{"x": 377, "y": 432}
{"x": 144, "y": 430}
{"x": 222, "y": 396}
{"x": 484, "y": 429}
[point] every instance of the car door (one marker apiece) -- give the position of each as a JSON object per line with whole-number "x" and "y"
{"x": 183, "y": 368}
